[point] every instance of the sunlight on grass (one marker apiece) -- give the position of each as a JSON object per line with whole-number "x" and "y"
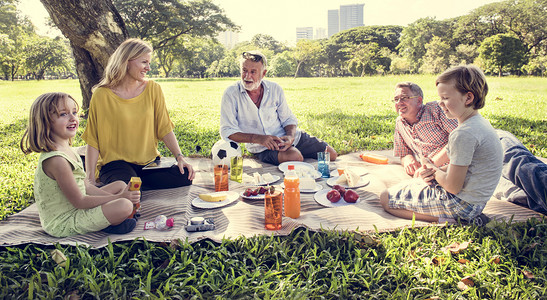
{"x": 504, "y": 260}
{"x": 351, "y": 114}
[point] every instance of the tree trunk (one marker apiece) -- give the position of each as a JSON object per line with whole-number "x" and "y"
{"x": 95, "y": 29}
{"x": 297, "y": 68}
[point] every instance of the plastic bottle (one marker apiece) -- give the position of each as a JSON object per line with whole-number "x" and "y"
{"x": 161, "y": 222}
{"x": 292, "y": 193}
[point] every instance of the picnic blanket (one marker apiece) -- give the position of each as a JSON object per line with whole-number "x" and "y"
{"x": 246, "y": 217}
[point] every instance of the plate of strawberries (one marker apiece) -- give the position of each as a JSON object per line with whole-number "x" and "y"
{"x": 256, "y": 193}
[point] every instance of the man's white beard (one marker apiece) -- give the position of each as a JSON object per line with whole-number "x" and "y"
{"x": 253, "y": 87}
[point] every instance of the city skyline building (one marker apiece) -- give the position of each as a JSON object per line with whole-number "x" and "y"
{"x": 333, "y": 22}
{"x": 347, "y": 17}
{"x": 228, "y": 38}
{"x": 304, "y": 33}
{"x": 320, "y": 33}
{"x": 351, "y": 16}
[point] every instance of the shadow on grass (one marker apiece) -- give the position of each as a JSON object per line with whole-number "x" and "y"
{"x": 531, "y": 133}
{"x": 11, "y": 134}
{"x": 351, "y": 132}
{"x": 345, "y": 132}
{"x": 17, "y": 170}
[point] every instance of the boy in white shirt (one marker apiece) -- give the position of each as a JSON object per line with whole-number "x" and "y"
{"x": 461, "y": 189}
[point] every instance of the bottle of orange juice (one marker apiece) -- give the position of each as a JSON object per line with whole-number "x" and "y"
{"x": 292, "y": 193}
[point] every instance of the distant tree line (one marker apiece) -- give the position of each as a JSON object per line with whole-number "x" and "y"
{"x": 24, "y": 54}
{"x": 506, "y": 37}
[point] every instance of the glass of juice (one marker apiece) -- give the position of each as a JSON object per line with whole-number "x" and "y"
{"x": 273, "y": 210}
{"x": 236, "y": 168}
{"x": 221, "y": 178}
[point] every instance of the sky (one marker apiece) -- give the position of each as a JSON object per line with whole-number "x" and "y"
{"x": 279, "y": 18}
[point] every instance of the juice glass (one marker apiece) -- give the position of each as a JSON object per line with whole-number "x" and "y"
{"x": 273, "y": 210}
{"x": 236, "y": 168}
{"x": 221, "y": 178}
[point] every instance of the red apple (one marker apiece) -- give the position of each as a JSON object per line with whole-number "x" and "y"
{"x": 351, "y": 196}
{"x": 340, "y": 189}
{"x": 333, "y": 196}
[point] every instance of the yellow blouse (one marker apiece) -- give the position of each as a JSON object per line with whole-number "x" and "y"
{"x": 127, "y": 129}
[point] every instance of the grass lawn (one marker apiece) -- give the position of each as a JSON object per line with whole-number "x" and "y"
{"x": 349, "y": 113}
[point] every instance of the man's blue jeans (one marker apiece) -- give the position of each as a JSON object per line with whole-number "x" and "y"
{"x": 524, "y": 170}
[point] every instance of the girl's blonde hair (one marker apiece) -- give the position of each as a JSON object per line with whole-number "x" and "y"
{"x": 116, "y": 68}
{"x": 37, "y": 137}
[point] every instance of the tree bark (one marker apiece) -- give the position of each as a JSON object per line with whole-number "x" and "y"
{"x": 95, "y": 29}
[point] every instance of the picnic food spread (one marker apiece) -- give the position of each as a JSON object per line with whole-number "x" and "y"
{"x": 373, "y": 158}
{"x": 259, "y": 179}
{"x": 350, "y": 177}
{"x": 259, "y": 190}
{"x": 338, "y": 192}
{"x": 213, "y": 197}
{"x": 307, "y": 183}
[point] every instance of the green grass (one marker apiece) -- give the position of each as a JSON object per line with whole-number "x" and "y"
{"x": 349, "y": 113}
{"x": 397, "y": 265}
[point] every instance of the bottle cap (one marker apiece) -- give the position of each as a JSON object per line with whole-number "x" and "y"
{"x": 290, "y": 167}
{"x": 170, "y": 222}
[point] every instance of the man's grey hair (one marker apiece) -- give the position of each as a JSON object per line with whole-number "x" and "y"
{"x": 245, "y": 56}
{"x": 414, "y": 88}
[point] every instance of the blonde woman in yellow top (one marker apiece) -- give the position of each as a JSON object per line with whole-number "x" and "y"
{"x": 127, "y": 118}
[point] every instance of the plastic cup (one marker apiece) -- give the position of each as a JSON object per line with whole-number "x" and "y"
{"x": 323, "y": 160}
{"x": 236, "y": 168}
{"x": 273, "y": 210}
{"x": 221, "y": 178}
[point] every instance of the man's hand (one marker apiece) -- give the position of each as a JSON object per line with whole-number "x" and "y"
{"x": 410, "y": 164}
{"x": 287, "y": 142}
{"x": 271, "y": 142}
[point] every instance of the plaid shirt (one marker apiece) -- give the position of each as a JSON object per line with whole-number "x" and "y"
{"x": 427, "y": 136}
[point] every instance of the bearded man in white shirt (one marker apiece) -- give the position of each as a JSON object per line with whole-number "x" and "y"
{"x": 254, "y": 111}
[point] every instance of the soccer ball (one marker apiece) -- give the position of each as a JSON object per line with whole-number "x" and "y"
{"x": 224, "y": 150}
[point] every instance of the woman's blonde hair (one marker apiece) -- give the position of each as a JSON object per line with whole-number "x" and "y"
{"x": 117, "y": 63}
{"x": 37, "y": 136}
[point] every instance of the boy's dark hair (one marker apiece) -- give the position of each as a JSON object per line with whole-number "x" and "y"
{"x": 467, "y": 78}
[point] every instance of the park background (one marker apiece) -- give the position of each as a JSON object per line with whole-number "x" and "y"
{"x": 339, "y": 88}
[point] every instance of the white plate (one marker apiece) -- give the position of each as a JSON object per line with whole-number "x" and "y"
{"x": 317, "y": 188}
{"x": 357, "y": 170}
{"x": 257, "y": 197}
{"x": 275, "y": 179}
{"x": 362, "y": 182}
{"x": 249, "y": 180}
{"x": 321, "y": 198}
{"x": 232, "y": 196}
{"x": 284, "y": 167}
